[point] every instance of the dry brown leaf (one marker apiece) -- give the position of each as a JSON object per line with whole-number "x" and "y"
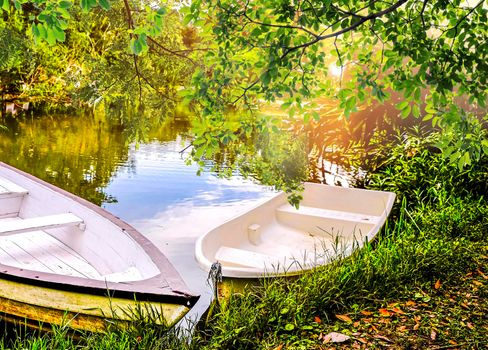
{"x": 344, "y": 318}
{"x": 417, "y": 325}
{"x": 465, "y": 305}
{"x": 356, "y": 324}
{"x": 362, "y": 340}
{"x": 366, "y": 313}
{"x": 452, "y": 342}
{"x": 410, "y": 303}
{"x": 317, "y": 319}
{"x": 382, "y": 337}
{"x": 374, "y": 328}
{"x": 482, "y": 274}
{"x": 397, "y": 310}
{"x": 279, "y": 347}
{"x": 433, "y": 335}
{"x": 438, "y": 284}
{"x": 384, "y": 312}
{"x": 478, "y": 283}
{"x": 469, "y": 325}
{"x": 402, "y": 329}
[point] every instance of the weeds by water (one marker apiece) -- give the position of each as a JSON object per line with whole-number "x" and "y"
{"x": 422, "y": 284}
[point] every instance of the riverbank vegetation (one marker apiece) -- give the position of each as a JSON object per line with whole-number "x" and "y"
{"x": 422, "y": 284}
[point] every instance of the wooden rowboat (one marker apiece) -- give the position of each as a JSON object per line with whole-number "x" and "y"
{"x": 276, "y": 239}
{"x": 66, "y": 261}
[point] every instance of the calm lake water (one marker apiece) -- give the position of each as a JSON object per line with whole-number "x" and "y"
{"x": 148, "y": 185}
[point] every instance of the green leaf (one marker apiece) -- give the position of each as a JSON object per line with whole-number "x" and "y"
{"x": 289, "y": 327}
{"x": 406, "y": 112}
{"x": 104, "y": 4}
{"x": 65, "y": 4}
{"x": 316, "y": 116}
{"x": 416, "y": 110}
{"x": 59, "y": 34}
{"x": 35, "y": 30}
{"x": 51, "y": 37}
{"x": 6, "y": 5}
{"x": 84, "y": 5}
{"x": 402, "y": 105}
{"x": 42, "y": 31}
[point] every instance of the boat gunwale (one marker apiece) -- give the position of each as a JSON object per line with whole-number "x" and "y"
{"x": 246, "y": 273}
{"x": 168, "y": 287}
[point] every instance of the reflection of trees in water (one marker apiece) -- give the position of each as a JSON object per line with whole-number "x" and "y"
{"x": 80, "y": 154}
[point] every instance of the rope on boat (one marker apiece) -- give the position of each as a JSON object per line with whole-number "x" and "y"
{"x": 214, "y": 278}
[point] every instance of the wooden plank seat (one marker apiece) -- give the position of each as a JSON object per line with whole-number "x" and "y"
{"x": 328, "y": 214}
{"x": 245, "y": 257}
{"x": 9, "y": 189}
{"x": 40, "y": 223}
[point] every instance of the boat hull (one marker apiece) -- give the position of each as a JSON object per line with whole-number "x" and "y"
{"x": 86, "y": 272}
{"x": 39, "y": 305}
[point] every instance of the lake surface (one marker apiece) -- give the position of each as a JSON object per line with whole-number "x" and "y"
{"x": 147, "y": 184}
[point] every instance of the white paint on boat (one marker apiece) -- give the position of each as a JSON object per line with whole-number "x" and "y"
{"x": 276, "y": 238}
{"x": 52, "y": 238}
{"x": 41, "y": 223}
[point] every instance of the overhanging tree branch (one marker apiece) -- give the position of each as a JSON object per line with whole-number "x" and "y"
{"x": 347, "y": 29}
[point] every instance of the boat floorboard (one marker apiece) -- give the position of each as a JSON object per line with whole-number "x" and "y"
{"x": 39, "y": 251}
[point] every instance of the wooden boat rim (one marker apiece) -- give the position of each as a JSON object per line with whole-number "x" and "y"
{"x": 150, "y": 289}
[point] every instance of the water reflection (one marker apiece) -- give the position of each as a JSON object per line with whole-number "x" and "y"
{"x": 148, "y": 184}
{"x": 155, "y": 179}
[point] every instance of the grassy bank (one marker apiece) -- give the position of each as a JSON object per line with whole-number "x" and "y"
{"x": 422, "y": 284}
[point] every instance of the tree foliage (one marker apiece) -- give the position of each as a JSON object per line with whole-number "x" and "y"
{"x": 79, "y": 53}
{"x": 433, "y": 53}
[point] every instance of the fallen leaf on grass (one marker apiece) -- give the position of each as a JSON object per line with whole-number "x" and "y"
{"x": 362, "y": 340}
{"x": 344, "y": 318}
{"x": 382, "y": 337}
{"x": 433, "y": 335}
{"x": 416, "y": 326}
{"x": 397, "y": 310}
{"x": 366, "y": 313}
{"x": 469, "y": 325}
{"x": 410, "y": 303}
{"x": 335, "y": 337}
{"x": 438, "y": 284}
{"x": 478, "y": 283}
{"x": 279, "y": 347}
{"x": 482, "y": 274}
{"x": 452, "y": 342}
{"x": 317, "y": 319}
{"x": 384, "y": 312}
{"x": 402, "y": 329}
{"x": 356, "y": 324}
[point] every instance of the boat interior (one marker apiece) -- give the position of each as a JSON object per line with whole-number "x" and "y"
{"x": 44, "y": 231}
{"x": 278, "y": 236}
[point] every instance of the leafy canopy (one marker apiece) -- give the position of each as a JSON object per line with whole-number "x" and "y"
{"x": 433, "y": 53}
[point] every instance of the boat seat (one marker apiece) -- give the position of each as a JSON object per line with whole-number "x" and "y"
{"x": 40, "y": 223}
{"x": 244, "y": 257}
{"x": 8, "y": 189}
{"x": 328, "y": 214}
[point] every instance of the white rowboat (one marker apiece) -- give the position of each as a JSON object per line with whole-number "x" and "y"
{"x": 275, "y": 238}
{"x": 65, "y": 260}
